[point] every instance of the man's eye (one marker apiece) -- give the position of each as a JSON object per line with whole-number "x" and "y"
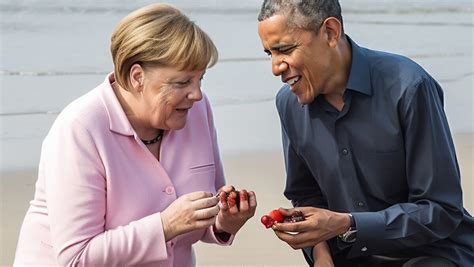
{"x": 268, "y": 53}
{"x": 287, "y": 50}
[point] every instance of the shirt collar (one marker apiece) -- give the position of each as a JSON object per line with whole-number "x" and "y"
{"x": 359, "y": 76}
{"x": 118, "y": 121}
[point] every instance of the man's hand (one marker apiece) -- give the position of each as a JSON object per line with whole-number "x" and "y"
{"x": 319, "y": 225}
{"x": 232, "y": 217}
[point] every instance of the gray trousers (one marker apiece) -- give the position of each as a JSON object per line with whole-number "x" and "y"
{"x": 383, "y": 261}
{"x": 428, "y": 262}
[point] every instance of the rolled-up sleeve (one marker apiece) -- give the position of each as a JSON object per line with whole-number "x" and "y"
{"x": 433, "y": 209}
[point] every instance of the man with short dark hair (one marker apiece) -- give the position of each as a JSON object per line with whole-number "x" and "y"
{"x": 369, "y": 156}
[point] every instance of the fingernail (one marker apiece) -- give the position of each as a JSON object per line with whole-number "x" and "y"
{"x": 243, "y": 195}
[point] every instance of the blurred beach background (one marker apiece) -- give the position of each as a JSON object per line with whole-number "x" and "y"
{"x": 51, "y": 52}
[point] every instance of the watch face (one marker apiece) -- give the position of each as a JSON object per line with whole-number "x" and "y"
{"x": 349, "y": 236}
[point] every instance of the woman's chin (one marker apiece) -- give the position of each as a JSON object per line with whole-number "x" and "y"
{"x": 177, "y": 125}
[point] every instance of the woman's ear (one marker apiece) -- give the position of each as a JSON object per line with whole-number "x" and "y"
{"x": 136, "y": 77}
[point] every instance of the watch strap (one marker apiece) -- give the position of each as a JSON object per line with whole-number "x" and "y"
{"x": 350, "y": 235}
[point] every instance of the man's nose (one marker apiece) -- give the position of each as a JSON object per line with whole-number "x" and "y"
{"x": 279, "y": 66}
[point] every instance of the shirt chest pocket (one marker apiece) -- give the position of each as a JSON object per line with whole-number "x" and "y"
{"x": 201, "y": 177}
{"x": 200, "y": 168}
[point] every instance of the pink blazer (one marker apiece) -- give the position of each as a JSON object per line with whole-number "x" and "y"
{"x": 100, "y": 191}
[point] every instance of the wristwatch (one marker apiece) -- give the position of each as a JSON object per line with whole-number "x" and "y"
{"x": 350, "y": 235}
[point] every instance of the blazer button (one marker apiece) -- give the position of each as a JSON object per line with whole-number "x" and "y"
{"x": 169, "y": 190}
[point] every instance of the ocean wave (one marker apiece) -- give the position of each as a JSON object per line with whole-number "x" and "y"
{"x": 50, "y": 73}
{"x": 414, "y": 23}
{"x": 224, "y": 8}
{"x": 101, "y": 73}
{"x": 23, "y": 113}
{"x": 222, "y": 60}
{"x": 409, "y": 9}
{"x": 457, "y": 78}
{"x": 224, "y": 101}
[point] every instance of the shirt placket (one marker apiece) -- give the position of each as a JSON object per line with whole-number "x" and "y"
{"x": 346, "y": 160}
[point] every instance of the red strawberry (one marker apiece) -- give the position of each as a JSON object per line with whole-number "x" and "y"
{"x": 277, "y": 216}
{"x": 234, "y": 198}
{"x": 267, "y": 221}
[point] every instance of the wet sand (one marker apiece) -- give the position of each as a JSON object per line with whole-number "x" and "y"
{"x": 261, "y": 171}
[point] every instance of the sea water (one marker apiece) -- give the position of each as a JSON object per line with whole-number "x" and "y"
{"x": 54, "y": 51}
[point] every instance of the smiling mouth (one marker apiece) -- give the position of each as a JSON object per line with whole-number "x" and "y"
{"x": 293, "y": 81}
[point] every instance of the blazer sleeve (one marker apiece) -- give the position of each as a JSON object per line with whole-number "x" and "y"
{"x": 76, "y": 195}
{"x": 434, "y": 206}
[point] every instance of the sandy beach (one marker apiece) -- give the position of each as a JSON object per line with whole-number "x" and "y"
{"x": 261, "y": 171}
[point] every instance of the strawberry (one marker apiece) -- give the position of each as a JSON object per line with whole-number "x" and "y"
{"x": 267, "y": 221}
{"x": 235, "y": 197}
{"x": 277, "y": 216}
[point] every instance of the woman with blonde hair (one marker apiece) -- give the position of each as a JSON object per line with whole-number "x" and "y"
{"x": 129, "y": 172}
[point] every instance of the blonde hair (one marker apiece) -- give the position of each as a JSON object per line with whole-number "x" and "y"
{"x": 159, "y": 35}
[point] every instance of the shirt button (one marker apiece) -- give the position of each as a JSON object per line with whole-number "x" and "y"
{"x": 360, "y": 204}
{"x": 364, "y": 249}
{"x": 345, "y": 151}
{"x": 169, "y": 190}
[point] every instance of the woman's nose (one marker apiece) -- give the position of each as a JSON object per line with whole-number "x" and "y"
{"x": 195, "y": 94}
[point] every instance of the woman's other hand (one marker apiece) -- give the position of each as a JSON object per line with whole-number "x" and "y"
{"x": 231, "y": 216}
{"x": 189, "y": 212}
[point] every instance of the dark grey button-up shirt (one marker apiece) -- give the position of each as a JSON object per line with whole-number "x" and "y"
{"x": 387, "y": 157}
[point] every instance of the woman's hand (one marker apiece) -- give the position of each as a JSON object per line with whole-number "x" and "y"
{"x": 231, "y": 216}
{"x": 189, "y": 212}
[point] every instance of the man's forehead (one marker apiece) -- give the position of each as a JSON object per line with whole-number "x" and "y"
{"x": 275, "y": 22}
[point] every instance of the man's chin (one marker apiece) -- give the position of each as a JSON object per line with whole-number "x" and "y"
{"x": 304, "y": 100}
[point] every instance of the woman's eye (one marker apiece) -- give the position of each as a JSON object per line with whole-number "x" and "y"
{"x": 183, "y": 83}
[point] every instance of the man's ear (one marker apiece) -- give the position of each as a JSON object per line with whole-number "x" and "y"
{"x": 136, "y": 77}
{"x": 333, "y": 30}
